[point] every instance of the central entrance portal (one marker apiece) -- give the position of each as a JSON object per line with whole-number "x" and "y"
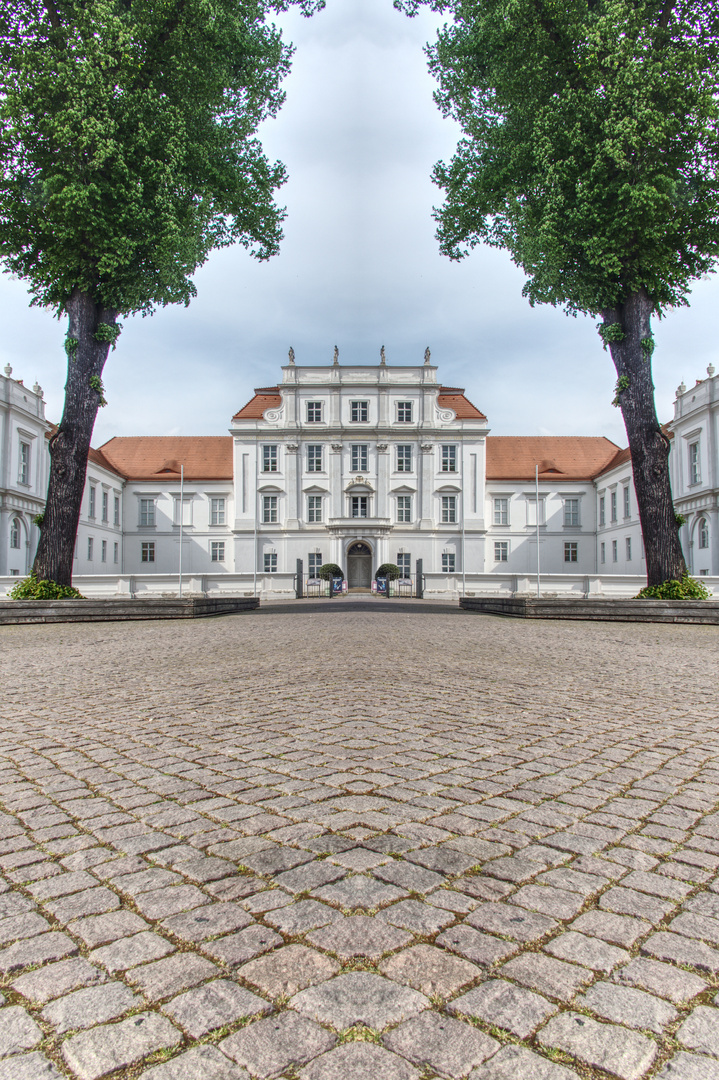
{"x": 359, "y": 567}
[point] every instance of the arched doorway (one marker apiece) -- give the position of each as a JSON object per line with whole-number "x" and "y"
{"x": 359, "y": 566}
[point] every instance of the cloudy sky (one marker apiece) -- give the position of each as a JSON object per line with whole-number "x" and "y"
{"x": 359, "y": 268}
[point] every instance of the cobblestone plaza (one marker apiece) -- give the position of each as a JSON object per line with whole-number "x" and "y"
{"x": 359, "y": 840}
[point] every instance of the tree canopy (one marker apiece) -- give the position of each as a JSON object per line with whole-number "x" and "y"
{"x": 591, "y": 143}
{"x": 127, "y": 145}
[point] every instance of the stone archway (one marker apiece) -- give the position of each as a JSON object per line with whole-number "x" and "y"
{"x": 359, "y": 566}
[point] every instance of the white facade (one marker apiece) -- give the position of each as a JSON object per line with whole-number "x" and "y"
{"x": 358, "y": 465}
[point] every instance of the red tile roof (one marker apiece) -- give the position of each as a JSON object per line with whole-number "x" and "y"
{"x": 452, "y": 397}
{"x": 158, "y": 457}
{"x": 560, "y": 457}
{"x": 266, "y": 397}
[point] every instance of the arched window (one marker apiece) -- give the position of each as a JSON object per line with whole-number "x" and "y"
{"x": 15, "y": 533}
{"x": 703, "y": 531}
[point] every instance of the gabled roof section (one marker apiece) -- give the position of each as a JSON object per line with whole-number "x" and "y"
{"x": 158, "y": 457}
{"x": 623, "y": 457}
{"x": 560, "y": 457}
{"x": 266, "y": 397}
{"x": 452, "y": 397}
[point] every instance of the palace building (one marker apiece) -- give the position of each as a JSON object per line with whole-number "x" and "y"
{"x": 358, "y": 465}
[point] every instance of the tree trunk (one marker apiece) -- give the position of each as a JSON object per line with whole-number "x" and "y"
{"x": 69, "y": 447}
{"x": 648, "y": 445}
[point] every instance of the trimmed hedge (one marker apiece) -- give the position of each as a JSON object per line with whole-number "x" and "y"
{"x": 686, "y": 589}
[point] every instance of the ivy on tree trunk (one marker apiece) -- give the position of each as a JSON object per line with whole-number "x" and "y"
{"x": 631, "y": 349}
{"x": 87, "y": 347}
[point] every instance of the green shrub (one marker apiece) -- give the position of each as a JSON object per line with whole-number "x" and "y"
{"x": 32, "y": 589}
{"x": 686, "y": 589}
{"x": 388, "y": 570}
{"x": 329, "y": 570}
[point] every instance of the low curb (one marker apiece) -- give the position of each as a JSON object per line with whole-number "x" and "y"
{"x": 704, "y": 612}
{"x": 123, "y": 610}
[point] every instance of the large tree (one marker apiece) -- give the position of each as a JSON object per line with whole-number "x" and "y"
{"x": 590, "y": 153}
{"x": 127, "y": 153}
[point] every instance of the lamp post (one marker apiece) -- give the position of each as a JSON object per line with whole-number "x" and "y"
{"x": 182, "y": 517}
{"x": 536, "y": 496}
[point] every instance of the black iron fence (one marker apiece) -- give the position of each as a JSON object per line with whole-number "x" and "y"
{"x": 410, "y": 586}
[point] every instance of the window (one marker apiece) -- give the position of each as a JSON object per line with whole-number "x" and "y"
{"x": 314, "y": 508}
{"x": 501, "y": 511}
{"x": 92, "y": 505}
{"x": 186, "y": 511}
{"x": 147, "y": 511}
{"x": 23, "y": 472}
{"x": 571, "y": 512}
{"x": 404, "y": 564}
{"x": 703, "y": 533}
{"x": 148, "y": 552}
{"x": 601, "y": 510}
{"x": 404, "y": 412}
{"x": 314, "y": 412}
{"x": 358, "y": 506}
{"x": 404, "y": 508}
{"x": 359, "y": 457}
{"x": 694, "y": 474}
{"x": 217, "y": 551}
{"x": 217, "y": 511}
{"x": 626, "y": 503}
{"x": 448, "y": 563}
{"x": 449, "y": 459}
{"x": 116, "y": 552}
{"x": 269, "y": 459}
{"x": 105, "y": 506}
{"x": 449, "y": 509}
{"x": 501, "y": 551}
{"x": 15, "y": 533}
{"x": 314, "y": 562}
{"x": 116, "y": 518}
{"x": 90, "y": 546}
{"x": 532, "y": 511}
{"x": 613, "y": 505}
{"x": 103, "y": 551}
{"x": 570, "y": 552}
{"x": 602, "y": 553}
{"x": 270, "y": 562}
{"x": 404, "y": 458}
{"x": 359, "y": 412}
{"x": 614, "y": 550}
{"x": 628, "y": 545}
{"x": 269, "y": 509}
{"x": 314, "y": 458}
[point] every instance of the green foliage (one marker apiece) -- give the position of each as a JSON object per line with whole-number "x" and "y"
{"x": 96, "y": 385}
{"x": 648, "y": 344}
{"x": 329, "y": 570}
{"x": 71, "y": 344}
{"x": 680, "y": 520}
{"x": 108, "y": 332}
{"x": 686, "y": 589}
{"x": 388, "y": 570}
{"x": 32, "y": 589}
{"x": 610, "y": 332}
{"x": 591, "y": 143}
{"x": 623, "y": 383}
{"x": 127, "y": 143}
{"x": 38, "y": 520}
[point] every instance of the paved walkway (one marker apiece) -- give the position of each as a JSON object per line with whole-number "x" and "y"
{"x": 359, "y": 842}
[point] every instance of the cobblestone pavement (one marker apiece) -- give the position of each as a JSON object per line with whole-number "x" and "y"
{"x": 360, "y": 841}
